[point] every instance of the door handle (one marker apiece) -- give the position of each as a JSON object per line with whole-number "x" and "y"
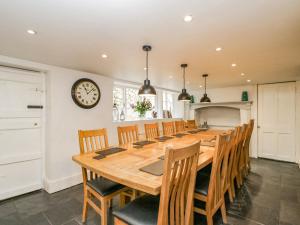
{"x": 34, "y": 106}
{"x": 258, "y": 127}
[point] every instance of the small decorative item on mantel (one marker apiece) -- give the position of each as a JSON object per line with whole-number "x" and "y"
{"x": 245, "y": 96}
{"x": 154, "y": 114}
{"x": 192, "y": 99}
{"x": 141, "y": 107}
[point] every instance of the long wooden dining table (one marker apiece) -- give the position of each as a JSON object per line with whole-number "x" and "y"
{"x": 124, "y": 167}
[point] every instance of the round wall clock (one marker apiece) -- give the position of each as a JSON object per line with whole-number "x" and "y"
{"x": 85, "y": 93}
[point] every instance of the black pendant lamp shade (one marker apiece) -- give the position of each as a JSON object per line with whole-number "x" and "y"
{"x": 184, "y": 96}
{"x": 205, "y": 98}
{"x": 147, "y": 89}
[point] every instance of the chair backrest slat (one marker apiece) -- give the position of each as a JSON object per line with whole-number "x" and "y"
{"x": 176, "y": 200}
{"x": 168, "y": 128}
{"x": 128, "y": 134}
{"x": 151, "y": 130}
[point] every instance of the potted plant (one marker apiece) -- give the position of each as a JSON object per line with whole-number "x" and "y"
{"x": 141, "y": 107}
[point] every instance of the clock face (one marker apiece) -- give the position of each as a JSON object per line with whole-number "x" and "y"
{"x": 86, "y": 93}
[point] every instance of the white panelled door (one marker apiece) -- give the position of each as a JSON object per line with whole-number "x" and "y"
{"x": 20, "y": 132}
{"x": 276, "y": 121}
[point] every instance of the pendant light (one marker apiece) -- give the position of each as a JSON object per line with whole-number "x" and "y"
{"x": 184, "y": 96}
{"x": 147, "y": 89}
{"x": 205, "y": 98}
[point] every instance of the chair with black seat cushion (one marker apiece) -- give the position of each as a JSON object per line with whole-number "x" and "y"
{"x": 246, "y": 150}
{"x": 151, "y": 130}
{"x": 179, "y": 126}
{"x": 168, "y": 128}
{"x": 95, "y": 186}
{"x": 209, "y": 194}
{"x": 174, "y": 205}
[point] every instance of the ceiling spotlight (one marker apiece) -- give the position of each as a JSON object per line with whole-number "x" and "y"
{"x": 31, "y": 32}
{"x": 170, "y": 76}
{"x": 145, "y": 68}
{"x": 104, "y": 56}
{"x": 218, "y": 49}
{"x": 200, "y": 86}
{"x": 248, "y": 81}
{"x": 233, "y": 65}
{"x": 188, "y": 18}
{"x": 242, "y": 74}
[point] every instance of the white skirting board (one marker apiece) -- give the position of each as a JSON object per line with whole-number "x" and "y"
{"x": 19, "y": 191}
{"x": 52, "y": 186}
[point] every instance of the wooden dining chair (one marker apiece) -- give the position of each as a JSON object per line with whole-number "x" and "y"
{"x": 210, "y": 189}
{"x": 191, "y": 124}
{"x": 168, "y": 128}
{"x": 231, "y": 151}
{"x": 247, "y": 146}
{"x": 241, "y": 156}
{"x": 128, "y": 134}
{"x": 94, "y": 186}
{"x": 175, "y": 203}
{"x": 151, "y": 130}
{"x": 179, "y": 126}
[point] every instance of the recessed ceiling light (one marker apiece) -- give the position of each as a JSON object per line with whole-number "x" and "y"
{"x": 145, "y": 68}
{"x": 248, "y": 81}
{"x": 31, "y": 32}
{"x": 200, "y": 86}
{"x": 170, "y": 76}
{"x": 233, "y": 65}
{"x": 188, "y": 18}
{"x": 242, "y": 74}
{"x": 104, "y": 56}
{"x": 218, "y": 49}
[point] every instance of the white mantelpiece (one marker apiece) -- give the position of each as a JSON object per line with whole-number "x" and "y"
{"x": 221, "y": 114}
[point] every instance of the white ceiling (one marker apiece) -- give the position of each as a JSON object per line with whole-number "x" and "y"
{"x": 261, "y": 36}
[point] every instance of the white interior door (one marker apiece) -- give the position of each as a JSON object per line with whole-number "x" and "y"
{"x": 276, "y": 121}
{"x": 20, "y": 132}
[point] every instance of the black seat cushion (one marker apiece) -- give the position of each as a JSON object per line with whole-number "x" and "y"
{"x": 104, "y": 186}
{"x": 202, "y": 183}
{"x": 206, "y": 170}
{"x": 141, "y": 211}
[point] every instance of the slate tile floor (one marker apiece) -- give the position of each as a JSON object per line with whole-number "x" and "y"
{"x": 270, "y": 196}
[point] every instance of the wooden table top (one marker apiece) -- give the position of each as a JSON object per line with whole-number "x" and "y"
{"x": 123, "y": 167}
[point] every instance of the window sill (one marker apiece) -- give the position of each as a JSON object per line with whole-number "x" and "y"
{"x": 145, "y": 120}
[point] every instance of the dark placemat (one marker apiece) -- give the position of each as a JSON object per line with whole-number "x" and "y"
{"x": 142, "y": 143}
{"x": 110, "y": 151}
{"x": 179, "y": 135}
{"x": 164, "y": 138}
{"x": 193, "y": 131}
{"x": 155, "y": 168}
{"x": 99, "y": 157}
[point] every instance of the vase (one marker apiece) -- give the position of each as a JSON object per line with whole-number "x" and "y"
{"x": 142, "y": 115}
{"x": 244, "y": 96}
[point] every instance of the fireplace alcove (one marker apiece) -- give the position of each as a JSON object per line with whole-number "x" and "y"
{"x": 222, "y": 115}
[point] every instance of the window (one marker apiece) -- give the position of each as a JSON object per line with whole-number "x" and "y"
{"x": 168, "y": 104}
{"x": 124, "y": 97}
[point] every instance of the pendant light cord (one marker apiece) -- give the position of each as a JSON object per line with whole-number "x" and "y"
{"x": 147, "y": 66}
{"x": 205, "y": 85}
{"x": 183, "y": 77}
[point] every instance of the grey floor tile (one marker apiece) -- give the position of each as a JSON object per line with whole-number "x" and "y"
{"x": 289, "y": 213}
{"x": 12, "y": 219}
{"x": 7, "y": 208}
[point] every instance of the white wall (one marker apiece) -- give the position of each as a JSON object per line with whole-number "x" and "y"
{"x": 64, "y": 118}
{"x": 232, "y": 94}
{"x": 298, "y": 122}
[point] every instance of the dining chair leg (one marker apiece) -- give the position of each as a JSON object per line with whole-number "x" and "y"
{"x": 104, "y": 204}
{"x": 209, "y": 219}
{"x": 230, "y": 194}
{"x": 84, "y": 209}
{"x": 232, "y": 188}
{"x": 223, "y": 211}
{"x": 122, "y": 200}
{"x": 134, "y": 194}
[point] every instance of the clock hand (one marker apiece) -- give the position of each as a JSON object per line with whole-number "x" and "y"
{"x": 91, "y": 90}
{"x": 85, "y": 90}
